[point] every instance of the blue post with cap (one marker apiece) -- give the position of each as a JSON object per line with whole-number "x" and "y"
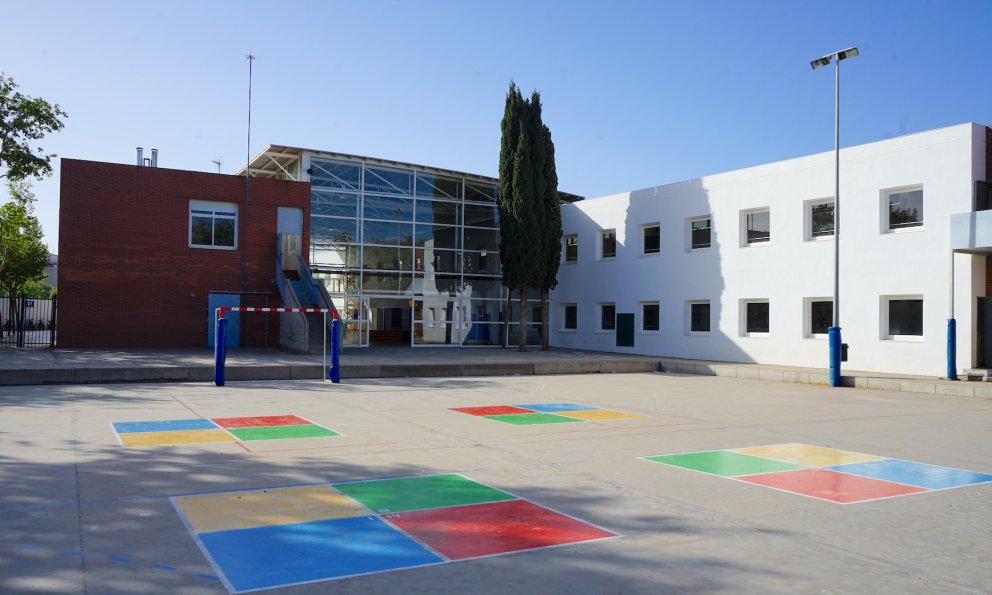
{"x": 334, "y": 373}
{"x": 220, "y": 349}
{"x": 952, "y": 356}
{"x": 833, "y": 336}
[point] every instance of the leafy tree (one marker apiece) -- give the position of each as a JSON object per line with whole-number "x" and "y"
{"x": 24, "y": 119}
{"x": 37, "y": 289}
{"x": 528, "y": 227}
{"x": 23, "y": 255}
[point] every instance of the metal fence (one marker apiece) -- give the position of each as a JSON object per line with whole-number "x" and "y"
{"x": 27, "y": 322}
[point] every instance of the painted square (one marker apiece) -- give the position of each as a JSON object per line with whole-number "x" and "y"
{"x": 282, "y": 432}
{"x": 255, "y": 422}
{"x": 284, "y": 555}
{"x": 723, "y": 463}
{"x": 915, "y": 474}
{"x": 462, "y": 532}
{"x": 555, "y": 407}
{"x": 833, "y": 486}
{"x": 808, "y": 455}
{"x": 169, "y": 425}
{"x": 599, "y": 415}
{"x": 528, "y": 419}
{"x": 412, "y": 493}
{"x": 261, "y": 508}
{"x": 492, "y": 410}
{"x": 174, "y": 438}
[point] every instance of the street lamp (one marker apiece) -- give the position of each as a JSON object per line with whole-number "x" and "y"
{"x": 834, "y": 332}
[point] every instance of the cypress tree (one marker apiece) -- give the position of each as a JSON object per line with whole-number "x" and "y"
{"x": 552, "y": 231}
{"x": 510, "y": 127}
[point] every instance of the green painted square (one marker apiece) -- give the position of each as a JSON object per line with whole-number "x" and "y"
{"x": 415, "y": 493}
{"x": 526, "y": 419}
{"x": 280, "y": 432}
{"x": 724, "y": 463}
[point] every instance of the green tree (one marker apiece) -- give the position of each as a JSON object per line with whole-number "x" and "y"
{"x": 23, "y": 254}
{"x": 528, "y": 227}
{"x": 24, "y": 119}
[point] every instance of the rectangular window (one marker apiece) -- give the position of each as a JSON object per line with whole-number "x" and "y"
{"x": 755, "y": 317}
{"x": 607, "y": 317}
{"x": 757, "y": 226}
{"x": 570, "y": 317}
{"x": 699, "y": 317}
{"x": 905, "y": 208}
{"x": 652, "y": 239}
{"x": 821, "y": 316}
{"x": 608, "y": 243}
{"x": 699, "y": 233}
{"x": 904, "y": 317}
{"x": 571, "y": 248}
{"x": 821, "y": 219}
{"x": 213, "y": 225}
{"x": 650, "y": 317}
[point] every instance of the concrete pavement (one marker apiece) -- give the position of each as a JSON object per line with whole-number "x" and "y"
{"x": 81, "y": 514}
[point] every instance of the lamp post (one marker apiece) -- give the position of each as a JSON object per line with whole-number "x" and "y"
{"x": 834, "y": 332}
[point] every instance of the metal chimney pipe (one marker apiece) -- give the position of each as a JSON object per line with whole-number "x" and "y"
{"x": 139, "y": 156}
{"x": 154, "y": 157}
{"x": 148, "y": 162}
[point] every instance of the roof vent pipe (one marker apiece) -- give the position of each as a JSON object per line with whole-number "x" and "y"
{"x": 148, "y": 162}
{"x": 139, "y": 162}
{"x": 154, "y": 157}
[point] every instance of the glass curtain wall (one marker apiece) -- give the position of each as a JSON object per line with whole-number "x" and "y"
{"x": 396, "y": 235}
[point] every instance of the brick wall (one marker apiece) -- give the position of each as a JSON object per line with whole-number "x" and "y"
{"x": 127, "y": 277}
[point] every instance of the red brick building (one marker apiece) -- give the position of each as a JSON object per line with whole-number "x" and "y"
{"x": 144, "y": 253}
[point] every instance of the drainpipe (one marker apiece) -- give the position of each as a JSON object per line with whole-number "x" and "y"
{"x": 952, "y": 332}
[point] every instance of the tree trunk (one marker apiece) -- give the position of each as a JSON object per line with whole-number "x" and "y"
{"x": 506, "y": 318}
{"x": 523, "y": 319}
{"x": 545, "y": 316}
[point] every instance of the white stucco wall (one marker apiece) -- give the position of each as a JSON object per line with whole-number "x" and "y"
{"x": 874, "y": 262}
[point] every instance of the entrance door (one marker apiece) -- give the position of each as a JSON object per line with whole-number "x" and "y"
{"x": 984, "y": 332}
{"x": 216, "y": 300}
{"x": 390, "y": 321}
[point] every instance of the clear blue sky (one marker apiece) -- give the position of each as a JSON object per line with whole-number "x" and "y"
{"x": 635, "y": 93}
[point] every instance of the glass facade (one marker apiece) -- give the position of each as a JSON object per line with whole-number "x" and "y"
{"x": 408, "y": 251}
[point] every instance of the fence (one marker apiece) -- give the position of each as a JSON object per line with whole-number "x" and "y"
{"x": 27, "y": 322}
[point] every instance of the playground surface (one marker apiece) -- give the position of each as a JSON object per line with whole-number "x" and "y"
{"x": 606, "y": 483}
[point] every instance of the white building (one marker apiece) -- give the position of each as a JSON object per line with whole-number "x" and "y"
{"x": 738, "y": 266}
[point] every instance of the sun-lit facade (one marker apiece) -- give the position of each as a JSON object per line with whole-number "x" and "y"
{"x": 408, "y": 253}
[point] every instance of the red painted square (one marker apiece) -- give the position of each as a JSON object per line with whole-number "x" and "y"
{"x": 259, "y": 422}
{"x": 461, "y": 532}
{"x": 831, "y": 485}
{"x": 492, "y": 410}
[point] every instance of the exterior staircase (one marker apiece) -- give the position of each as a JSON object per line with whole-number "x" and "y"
{"x": 304, "y": 332}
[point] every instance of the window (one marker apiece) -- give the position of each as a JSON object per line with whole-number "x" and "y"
{"x": 819, "y": 219}
{"x": 902, "y": 316}
{"x": 905, "y": 208}
{"x": 754, "y": 314}
{"x": 699, "y": 317}
{"x": 608, "y": 243}
{"x": 652, "y": 238}
{"x": 650, "y": 317}
{"x": 607, "y": 317}
{"x": 570, "y": 317}
{"x": 699, "y": 233}
{"x": 756, "y": 227}
{"x": 213, "y": 225}
{"x": 819, "y": 316}
{"x": 571, "y": 248}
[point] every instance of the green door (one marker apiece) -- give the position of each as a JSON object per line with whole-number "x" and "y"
{"x": 625, "y": 330}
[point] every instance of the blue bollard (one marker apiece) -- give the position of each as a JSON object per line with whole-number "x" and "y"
{"x": 952, "y": 352}
{"x": 833, "y": 335}
{"x": 334, "y": 373}
{"x": 220, "y": 350}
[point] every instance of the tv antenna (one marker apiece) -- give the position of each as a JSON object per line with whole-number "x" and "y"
{"x": 217, "y": 162}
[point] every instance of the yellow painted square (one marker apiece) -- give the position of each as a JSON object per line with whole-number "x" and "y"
{"x": 261, "y": 508}
{"x": 808, "y": 455}
{"x": 175, "y": 437}
{"x": 598, "y": 415}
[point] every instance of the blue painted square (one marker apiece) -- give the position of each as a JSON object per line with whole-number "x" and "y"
{"x": 554, "y": 407}
{"x": 168, "y": 425}
{"x": 914, "y": 474}
{"x": 281, "y": 555}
